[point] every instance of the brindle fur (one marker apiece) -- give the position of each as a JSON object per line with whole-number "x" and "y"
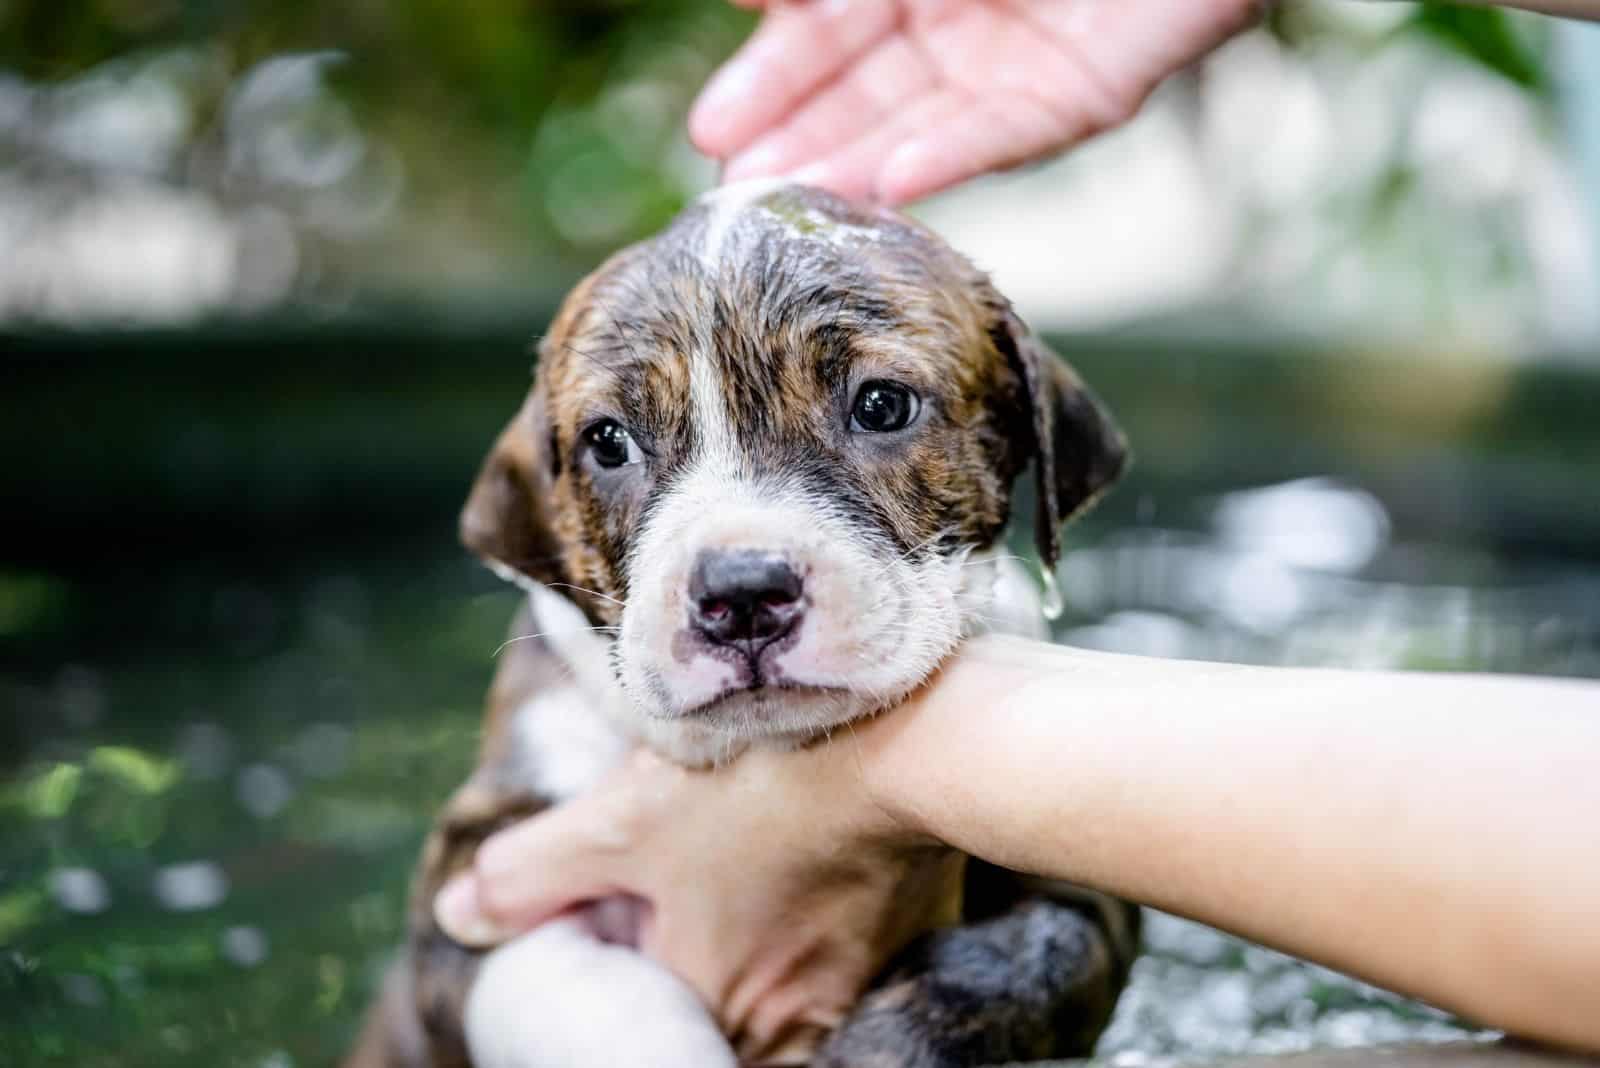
{"x": 786, "y": 318}
{"x": 804, "y": 288}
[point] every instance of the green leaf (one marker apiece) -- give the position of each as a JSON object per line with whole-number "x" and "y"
{"x": 19, "y": 909}
{"x": 50, "y": 794}
{"x": 140, "y": 771}
{"x": 1486, "y": 36}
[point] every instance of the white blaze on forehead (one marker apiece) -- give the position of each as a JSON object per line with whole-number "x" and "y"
{"x": 724, "y": 206}
{"x": 709, "y": 410}
{"x": 800, "y": 217}
{"x": 707, "y": 396}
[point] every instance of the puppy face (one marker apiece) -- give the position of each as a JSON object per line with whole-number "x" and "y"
{"x": 765, "y": 444}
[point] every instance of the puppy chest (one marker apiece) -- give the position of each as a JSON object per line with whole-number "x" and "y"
{"x": 564, "y": 743}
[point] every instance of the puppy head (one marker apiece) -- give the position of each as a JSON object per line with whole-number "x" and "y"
{"x": 763, "y": 445}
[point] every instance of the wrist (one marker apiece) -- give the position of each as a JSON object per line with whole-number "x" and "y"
{"x": 887, "y": 758}
{"x": 964, "y": 760}
{"x": 912, "y": 757}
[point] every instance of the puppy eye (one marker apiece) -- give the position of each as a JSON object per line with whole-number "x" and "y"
{"x": 883, "y": 407}
{"x": 610, "y": 444}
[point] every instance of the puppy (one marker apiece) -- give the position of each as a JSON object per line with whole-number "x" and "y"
{"x": 758, "y": 490}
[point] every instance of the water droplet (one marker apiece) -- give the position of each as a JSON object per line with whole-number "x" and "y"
{"x": 1051, "y": 604}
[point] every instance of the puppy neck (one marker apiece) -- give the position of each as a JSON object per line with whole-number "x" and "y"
{"x": 583, "y": 649}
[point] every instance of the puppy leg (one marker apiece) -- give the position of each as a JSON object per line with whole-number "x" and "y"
{"x": 1036, "y": 981}
{"x": 558, "y": 998}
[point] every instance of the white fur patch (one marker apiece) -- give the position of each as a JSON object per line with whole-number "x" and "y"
{"x": 726, "y": 203}
{"x": 563, "y": 625}
{"x": 566, "y": 744}
{"x": 568, "y": 736}
{"x": 876, "y": 622}
{"x": 708, "y": 401}
{"x": 557, "y": 998}
{"x": 1000, "y": 597}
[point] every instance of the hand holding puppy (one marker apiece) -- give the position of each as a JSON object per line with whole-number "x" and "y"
{"x": 775, "y": 908}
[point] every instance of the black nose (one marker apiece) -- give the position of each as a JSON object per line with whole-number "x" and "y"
{"x": 744, "y": 597}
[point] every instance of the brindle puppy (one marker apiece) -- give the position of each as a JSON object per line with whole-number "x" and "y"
{"x": 770, "y": 455}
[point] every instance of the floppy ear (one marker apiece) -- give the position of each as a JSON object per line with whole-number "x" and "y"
{"x": 1079, "y": 450}
{"x": 506, "y": 520}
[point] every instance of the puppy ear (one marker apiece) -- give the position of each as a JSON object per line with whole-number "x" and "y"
{"x": 506, "y": 519}
{"x": 1079, "y": 451}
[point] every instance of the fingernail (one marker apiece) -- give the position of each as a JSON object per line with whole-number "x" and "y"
{"x": 456, "y": 910}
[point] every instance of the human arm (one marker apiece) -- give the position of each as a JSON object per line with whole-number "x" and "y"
{"x": 1433, "y": 834}
{"x": 1429, "y": 833}
{"x": 893, "y": 100}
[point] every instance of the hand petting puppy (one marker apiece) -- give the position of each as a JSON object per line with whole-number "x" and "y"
{"x": 891, "y": 100}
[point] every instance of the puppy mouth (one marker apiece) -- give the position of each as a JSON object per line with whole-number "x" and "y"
{"x": 755, "y": 663}
{"x": 760, "y": 699}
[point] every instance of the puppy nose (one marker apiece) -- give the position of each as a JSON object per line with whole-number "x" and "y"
{"x": 744, "y": 597}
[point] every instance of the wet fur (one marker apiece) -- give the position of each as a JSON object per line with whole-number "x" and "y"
{"x": 784, "y": 300}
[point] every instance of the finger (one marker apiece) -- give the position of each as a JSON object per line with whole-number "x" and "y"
{"x": 797, "y": 48}
{"x": 891, "y": 74}
{"x": 986, "y": 136}
{"x": 853, "y": 170}
{"x": 532, "y": 871}
{"x": 791, "y": 1021}
{"x": 797, "y": 1046}
{"x": 459, "y": 914}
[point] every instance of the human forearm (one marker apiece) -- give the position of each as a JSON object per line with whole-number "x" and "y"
{"x": 1431, "y": 833}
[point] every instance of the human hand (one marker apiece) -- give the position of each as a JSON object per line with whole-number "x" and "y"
{"x": 895, "y": 99}
{"x": 778, "y": 887}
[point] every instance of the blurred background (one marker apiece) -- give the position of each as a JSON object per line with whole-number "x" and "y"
{"x": 269, "y": 274}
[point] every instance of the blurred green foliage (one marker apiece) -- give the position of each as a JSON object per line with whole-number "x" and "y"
{"x": 1509, "y": 44}
{"x": 532, "y": 138}
{"x": 1489, "y": 37}
{"x": 359, "y": 686}
{"x": 503, "y": 114}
